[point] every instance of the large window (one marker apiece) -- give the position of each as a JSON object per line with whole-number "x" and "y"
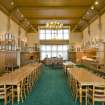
{"x": 48, "y": 34}
{"x": 54, "y": 51}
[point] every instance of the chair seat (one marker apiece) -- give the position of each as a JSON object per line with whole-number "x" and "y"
{"x": 2, "y": 93}
{"x": 1, "y": 96}
{"x": 99, "y": 99}
{"x": 97, "y": 94}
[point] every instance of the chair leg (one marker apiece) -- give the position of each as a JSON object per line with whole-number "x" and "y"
{"x": 80, "y": 92}
{"x": 93, "y": 97}
{"x": 5, "y": 99}
{"x": 24, "y": 88}
{"x": 86, "y": 96}
{"x": 12, "y": 95}
{"x": 103, "y": 103}
{"x": 21, "y": 93}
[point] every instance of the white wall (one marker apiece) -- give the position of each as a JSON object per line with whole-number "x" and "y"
{"x": 95, "y": 33}
{"x": 14, "y": 27}
{"x": 76, "y": 40}
{"x": 23, "y": 33}
{"x": 76, "y": 37}
{"x": 103, "y": 26}
{"x": 3, "y": 22}
{"x": 96, "y": 37}
{"x": 33, "y": 38}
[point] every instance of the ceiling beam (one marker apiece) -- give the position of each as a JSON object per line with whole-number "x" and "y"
{"x": 67, "y": 7}
{"x": 4, "y": 9}
{"x": 8, "y": 13}
{"x": 48, "y": 18}
{"x": 72, "y": 25}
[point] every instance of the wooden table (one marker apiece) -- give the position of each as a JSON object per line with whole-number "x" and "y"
{"x": 68, "y": 64}
{"x": 85, "y": 78}
{"x": 11, "y": 67}
{"x": 16, "y": 78}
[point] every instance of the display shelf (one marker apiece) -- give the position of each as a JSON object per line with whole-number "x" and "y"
{"x": 75, "y": 56}
{"x": 28, "y": 57}
{"x": 7, "y": 42}
{"x": 7, "y": 58}
{"x": 93, "y": 65}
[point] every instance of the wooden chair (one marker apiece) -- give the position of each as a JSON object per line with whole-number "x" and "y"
{"x": 5, "y": 93}
{"x": 75, "y": 87}
{"x": 96, "y": 94}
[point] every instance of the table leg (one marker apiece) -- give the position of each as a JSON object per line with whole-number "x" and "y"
{"x": 76, "y": 93}
{"x": 80, "y": 91}
{"x": 5, "y": 99}
{"x": 24, "y": 83}
{"x": 93, "y": 96}
{"x": 21, "y": 91}
{"x": 18, "y": 93}
{"x": 86, "y": 95}
{"x": 27, "y": 85}
{"x": 12, "y": 95}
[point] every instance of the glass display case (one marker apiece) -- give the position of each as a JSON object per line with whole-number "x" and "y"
{"x": 7, "y": 42}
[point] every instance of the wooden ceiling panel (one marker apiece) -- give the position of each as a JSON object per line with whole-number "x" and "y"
{"x": 54, "y": 2}
{"x": 41, "y": 11}
{"x": 53, "y": 12}
{"x": 44, "y": 21}
{"x": 6, "y": 4}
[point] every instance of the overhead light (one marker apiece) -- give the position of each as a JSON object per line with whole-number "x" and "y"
{"x": 96, "y": 3}
{"x": 54, "y": 25}
{"x": 92, "y": 7}
{"x": 12, "y": 3}
{"x": 31, "y": 26}
{"x": 87, "y": 13}
{"x": 28, "y": 23}
{"x": 25, "y": 20}
{"x": 18, "y": 10}
{"x": 22, "y": 15}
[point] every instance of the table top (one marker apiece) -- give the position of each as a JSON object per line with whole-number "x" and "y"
{"x": 85, "y": 77}
{"x": 68, "y": 63}
{"x": 18, "y": 75}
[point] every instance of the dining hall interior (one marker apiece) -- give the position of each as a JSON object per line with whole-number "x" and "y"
{"x": 52, "y": 52}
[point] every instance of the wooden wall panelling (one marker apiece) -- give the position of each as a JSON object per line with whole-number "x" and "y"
{"x": 2, "y": 61}
{"x": 76, "y": 56}
{"x": 90, "y": 53}
{"x": 27, "y": 57}
{"x": 7, "y": 57}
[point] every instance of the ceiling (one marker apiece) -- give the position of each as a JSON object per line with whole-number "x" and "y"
{"x": 38, "y": 12}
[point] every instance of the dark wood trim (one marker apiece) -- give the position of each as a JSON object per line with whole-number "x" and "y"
{"x": 54, "y": 42}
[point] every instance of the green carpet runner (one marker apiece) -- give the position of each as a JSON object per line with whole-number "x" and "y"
{"x": 50, "y": 89}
